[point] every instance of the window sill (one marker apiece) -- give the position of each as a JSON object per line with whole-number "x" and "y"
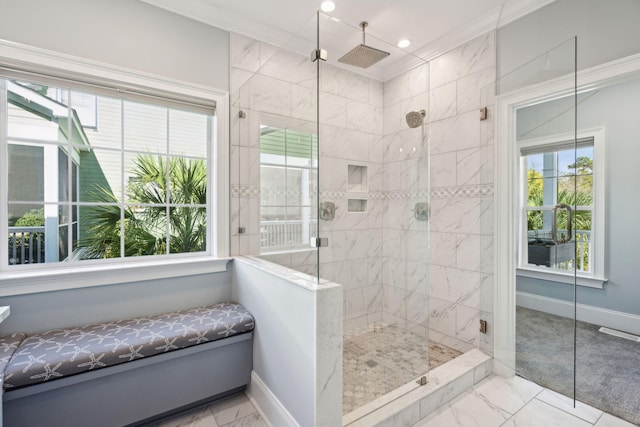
{"x": 63, "y": 278}
{"x": 586, "y": 281}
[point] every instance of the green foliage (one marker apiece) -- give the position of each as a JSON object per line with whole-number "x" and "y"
{"x": 32, "y": 218}
{"x": 152, "y": 187}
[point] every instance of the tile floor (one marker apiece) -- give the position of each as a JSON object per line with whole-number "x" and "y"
{"x": 380, "y": 358}
{"x": 498, "y": 401}
{"x": 493, "y": 402}
{"x": 235, "y": 411}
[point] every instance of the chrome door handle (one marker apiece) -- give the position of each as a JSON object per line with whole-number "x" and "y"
{"x": 554, "y": 224}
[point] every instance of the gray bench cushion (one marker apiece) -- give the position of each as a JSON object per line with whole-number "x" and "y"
{"x": 59, "y": 353}
{"x": 8, "y": 345}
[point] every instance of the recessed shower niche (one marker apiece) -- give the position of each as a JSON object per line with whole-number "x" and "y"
{"x": 357, "y": 183}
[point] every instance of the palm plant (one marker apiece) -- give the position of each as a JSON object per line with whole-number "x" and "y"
{"x": 157, "y": 190}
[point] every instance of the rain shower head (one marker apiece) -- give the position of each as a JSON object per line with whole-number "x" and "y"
{"x": 415, "y": 118}
{"x": 363, "y": 56}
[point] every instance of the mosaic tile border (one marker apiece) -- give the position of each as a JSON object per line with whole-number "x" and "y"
{"x": 467, "y": 191}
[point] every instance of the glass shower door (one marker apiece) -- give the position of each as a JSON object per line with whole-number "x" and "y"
{"x": 374, "y": 208}
{"x": 552, "y": 199}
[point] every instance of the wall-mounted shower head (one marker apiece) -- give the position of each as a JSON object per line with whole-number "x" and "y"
{"x": 415, "y": 118}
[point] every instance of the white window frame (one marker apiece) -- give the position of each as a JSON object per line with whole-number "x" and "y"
{"x": 107, "y": 272}
{"x": 595, "y": 278}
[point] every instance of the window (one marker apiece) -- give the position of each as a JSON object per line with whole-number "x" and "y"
{"x": 562, "y": 207}
{"x": 288, "y": 170}
{"x": 94, "y": 177}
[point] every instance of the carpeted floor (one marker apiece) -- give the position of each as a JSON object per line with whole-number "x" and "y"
{"x": 607, "y": 367}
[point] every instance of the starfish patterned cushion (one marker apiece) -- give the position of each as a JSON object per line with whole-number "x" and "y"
{"x": 60, "y": 353}
{"x": 8, "y": 345}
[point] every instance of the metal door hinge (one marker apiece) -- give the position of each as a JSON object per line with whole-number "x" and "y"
{"x": 483, "y": 113}
{"x": 319, "y": 242}
{"x": 320, "y": 54}
{"x": 483, "y": 326}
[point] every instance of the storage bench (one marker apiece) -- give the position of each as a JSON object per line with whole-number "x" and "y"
{"x": 123, "y": 372}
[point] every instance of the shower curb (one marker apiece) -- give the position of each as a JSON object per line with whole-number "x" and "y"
{"x": 445, "y": 383}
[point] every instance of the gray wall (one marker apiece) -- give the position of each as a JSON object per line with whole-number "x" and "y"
{"x": 125, "y": 33}
{"x": 615, "y": 108}
{"x": 606, "y": 30}
{"x": 74, "y": 307}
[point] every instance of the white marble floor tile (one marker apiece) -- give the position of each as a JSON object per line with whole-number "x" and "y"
{"x": 607, "y": 420}
{"x": 202, "y": 417}
{"x": 468, "y": 410}
{"x": 510, "y": 394}
{"x": 537, "y": 414}
{"x": 252, "y": 420}
{"x": 232, "y": 409}
{"x": 586, "y": 412}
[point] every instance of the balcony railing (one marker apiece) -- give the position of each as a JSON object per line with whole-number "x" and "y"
{"x": 275, "y": 234}
{"x": 26, "y": 245}
{"x": 582, "y": 239}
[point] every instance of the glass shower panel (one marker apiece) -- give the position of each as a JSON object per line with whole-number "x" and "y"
{"x": 551, "y": 214}
{"x": 607, "y": 368}
{"x": 374, "y": 207}
{"x": 274, "y": 142}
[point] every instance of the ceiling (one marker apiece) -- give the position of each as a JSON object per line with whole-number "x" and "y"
{"x": 433, "y": 26}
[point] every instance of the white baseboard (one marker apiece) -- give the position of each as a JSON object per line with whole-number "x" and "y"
{"x": 586, "y": 313}
{"x": 268, "y": 405}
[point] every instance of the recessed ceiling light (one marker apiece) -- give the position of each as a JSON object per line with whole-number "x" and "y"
{"x": 327, "y": 6}
{"x": 404, "y": 43}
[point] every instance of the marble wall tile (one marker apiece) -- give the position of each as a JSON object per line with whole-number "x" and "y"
{"x": 245, "y": 53}
{"x": 376, "y": 95}
{"x": 394, "y": 301}
{"x": 468, "y": 254}
{"x": 486, "y": 254}
{"x": 469, "y": 89}
{"x": 266, "y": 94}
{"x": 290, "y": 67}
{"x": 329, "y": 332}
{"x": 266, "y": 52}
{"x": 364, "y": 117}
{"x": 249, "y": 165}
{"x": 362, "y": 244}
{"x": 343, "y": 83}
{"x": 456, "y": 215}
{"x": 467, "y": 325}
{"x": 374, "y": 271}
{"x": 442, "y": 249}
{"x": 443, "y": 170}
{"x": 454, "y": 134}
{"x": 249, "y": 217}
{"x": 418, "y": 308}
{"x": 416, "y": 277}
{"x": 238, "y": 78}
{"x": 393, "y": 272}
{"x": 455, "y": 286}
{"x": 469, "y": 167}
{"x": 337, "y": 142}
{"x": 303, "y": 103}
{"x": 486, "y": 162}
{"x": 333, "y": 110}
{"x": 376, "y": 149}
{"x": 249, "y": 244}
{"x": 474, "y": 56}
{"x": 406, "y": 85}
{"x": 234, "y": 159}
{"x": 442, "y": 316}
{"x": 442, "y": 102}
{"x": 333, "y": 174}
